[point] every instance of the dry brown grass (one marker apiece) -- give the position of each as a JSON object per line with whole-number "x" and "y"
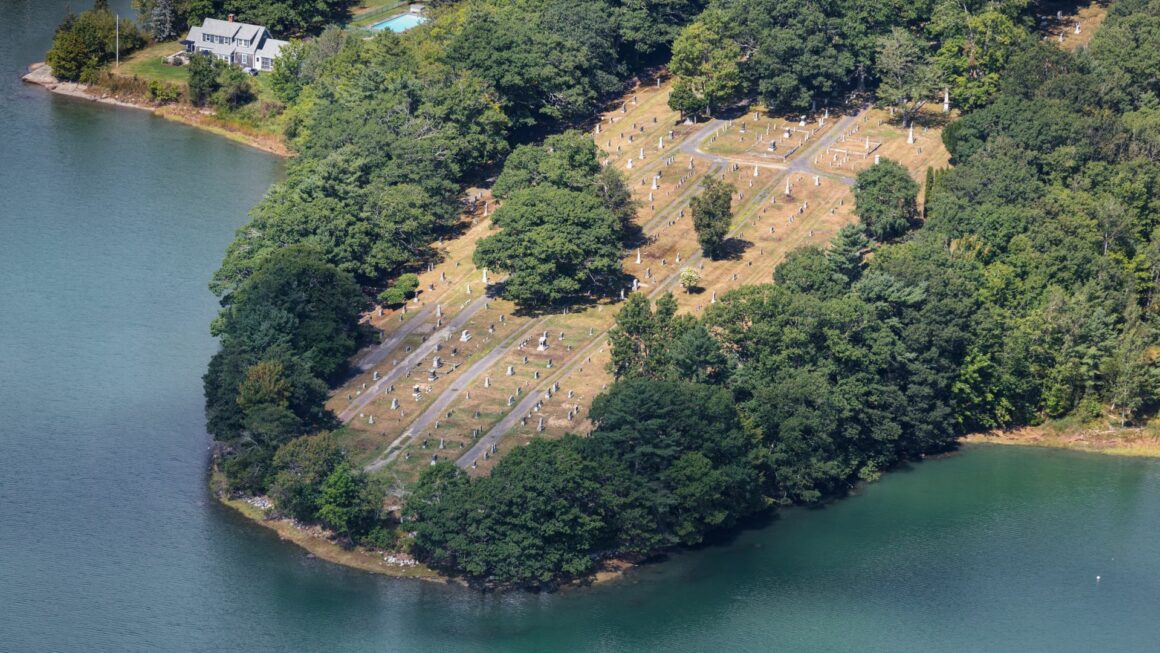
{"x": 1059, "y": 28}
{"x": 748, "y": 138}
{"x": 768, "y": 224}
{"x": 878, "y": 133}
{"x": 1114, "y": 441}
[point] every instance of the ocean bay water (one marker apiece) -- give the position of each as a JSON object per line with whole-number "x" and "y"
{"x": 111, "y": 222}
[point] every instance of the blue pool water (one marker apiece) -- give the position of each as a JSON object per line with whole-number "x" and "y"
{"x": 400, "y": 23}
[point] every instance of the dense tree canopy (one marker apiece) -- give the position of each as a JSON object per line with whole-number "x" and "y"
{"x": 84, "y": 43}
{"x": 547, "y": 508}
{"x": 285, "y": 332}
{"x": 390, "y": 128}
{"x": 1026, "y": 295}
{"x": 794, "y": 55}
{"x": 534, "y": 520}
{"x": 885, "y": 199}
{"x": 563, "y": 219}
{"x": 283, "y": 17}
{"x": 706, "y": 63}
{"x": 555, "y": 244}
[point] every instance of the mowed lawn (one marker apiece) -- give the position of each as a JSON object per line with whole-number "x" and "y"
{"x": 149, "y": 64}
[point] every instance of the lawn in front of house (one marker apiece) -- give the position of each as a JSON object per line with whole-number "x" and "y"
{"x": 149, "y": 64}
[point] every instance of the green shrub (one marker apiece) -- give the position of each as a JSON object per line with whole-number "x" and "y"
{"x": 381, "y": 537}
{"x": 163, "y": 92}
{"x": 246, "y": 472}
{"x": 403, "y": 289}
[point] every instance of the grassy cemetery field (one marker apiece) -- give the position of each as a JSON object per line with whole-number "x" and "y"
{"x": 504, "y": 377}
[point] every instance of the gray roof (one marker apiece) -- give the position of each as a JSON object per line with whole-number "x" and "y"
{"x": 244, "y": 31}
{"x": 260, "y": 42}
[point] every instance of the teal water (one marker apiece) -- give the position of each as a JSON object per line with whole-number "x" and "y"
{"x": 400, "y": 23}
{"x": 111, "y": 222}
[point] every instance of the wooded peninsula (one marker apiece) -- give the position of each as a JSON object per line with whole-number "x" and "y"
{"x": 925, "y": 220}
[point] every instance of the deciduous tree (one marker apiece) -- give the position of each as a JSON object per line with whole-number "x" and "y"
{"x": 885, "y": 198}
{"x": 712, "y": 215}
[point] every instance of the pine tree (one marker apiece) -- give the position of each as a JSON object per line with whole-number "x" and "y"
{"x": 163, "y": 20}
{"x": 845, "y": 255}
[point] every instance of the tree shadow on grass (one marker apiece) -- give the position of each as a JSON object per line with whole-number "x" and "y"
{"x": 924, "y": 119}
{"x": 733, "y": 249}
{"x": 634, "y": 236}
{"x": 606, "y": 293}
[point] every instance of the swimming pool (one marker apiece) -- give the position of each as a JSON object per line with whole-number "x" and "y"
{"x": 400, "y": 23}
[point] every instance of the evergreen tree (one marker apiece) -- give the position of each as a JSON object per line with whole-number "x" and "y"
{"x": 163, "y": 20}
{"x": 845, "y": 253}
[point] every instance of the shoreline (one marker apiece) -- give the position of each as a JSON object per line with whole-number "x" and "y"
{"x": 40, "y": 74}
{"x": 1138, "y": 443}
{"x": 315, "y": 543}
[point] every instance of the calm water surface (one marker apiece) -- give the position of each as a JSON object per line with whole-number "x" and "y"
{"x": 111, "y": 223}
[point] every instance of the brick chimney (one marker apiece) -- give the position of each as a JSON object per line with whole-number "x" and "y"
{"x": 230, "y": 18}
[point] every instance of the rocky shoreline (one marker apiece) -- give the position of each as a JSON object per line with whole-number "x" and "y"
{"x": 40, "y": 74}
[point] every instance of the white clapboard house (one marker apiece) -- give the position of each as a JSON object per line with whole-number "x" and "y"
{"x": 242, "y": 44}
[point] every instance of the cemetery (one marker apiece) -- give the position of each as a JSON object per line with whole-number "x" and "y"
{"x": 501, "y": 379}
{"x": 760, "y": 138}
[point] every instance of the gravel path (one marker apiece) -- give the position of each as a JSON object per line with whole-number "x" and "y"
{"x": 398, "y": 371}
